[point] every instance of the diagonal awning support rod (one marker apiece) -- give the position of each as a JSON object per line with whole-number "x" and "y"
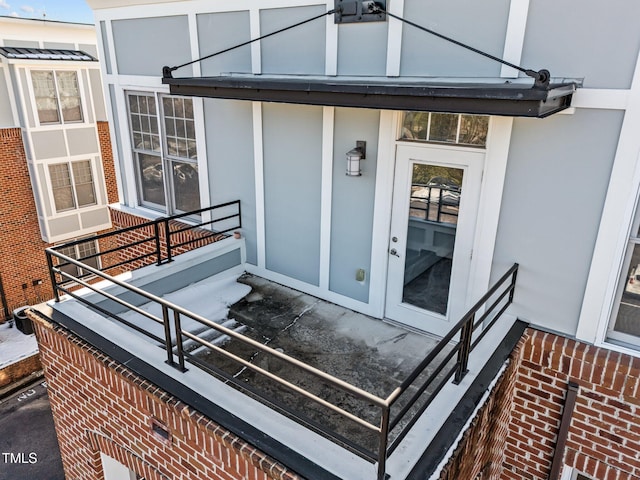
{"x": 541, "y": 77}
{"x": 166, "y": 71}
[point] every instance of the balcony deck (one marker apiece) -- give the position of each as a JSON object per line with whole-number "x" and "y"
{"x": 329, "y": 392}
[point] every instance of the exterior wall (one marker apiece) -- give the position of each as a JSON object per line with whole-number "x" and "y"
{"x": 100, "y": 407}
{"x": 556, "y": 181}
{"x": 569, "y": 156}
{"x": 23, "y": 260}
{"x": 144, "y": 46}
{"x": 55, "y": 143}
{"x": 352, "y": 197}
{"x": 231, "y": 164}
{"x": 514, "y": 436}
{"x": 19, "y": 370}
{"x": 481, "y": 25}
{"x": 292, "y": 190}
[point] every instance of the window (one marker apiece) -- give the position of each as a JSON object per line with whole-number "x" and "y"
{"x": 625, "y": 325}
{"x": 57, "y": 95}
{"x": 80, "y": 252}
{"x": 72, "y": 185}
{"x": 451, "y": 128}
{"x": 164, "y": 150}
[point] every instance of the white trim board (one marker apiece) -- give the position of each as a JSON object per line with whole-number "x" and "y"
{"x": 615, "y": 225}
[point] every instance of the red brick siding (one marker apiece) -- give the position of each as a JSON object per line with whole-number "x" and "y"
{"x": 514, "y": 435}
{"x": 20, "y": 369}
{"x": 107, "y": 162}
{"x": 101, "y": 406}
{"x": 23, "y": 259}
{"x": 123, "y": 220}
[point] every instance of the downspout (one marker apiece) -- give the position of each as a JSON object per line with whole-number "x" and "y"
{"x": 563, "y": 433}
{"x": 3, "y": 299}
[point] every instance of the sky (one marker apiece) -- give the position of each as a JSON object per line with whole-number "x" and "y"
{"x": 62, "y": 10}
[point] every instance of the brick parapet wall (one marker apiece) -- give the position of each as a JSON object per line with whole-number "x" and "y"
{"x": 100, "y": 406}
{"x": 19, "y": 370}
{"x": 514, "y": 435}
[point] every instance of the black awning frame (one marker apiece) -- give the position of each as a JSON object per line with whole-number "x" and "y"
{"x": 497, "y": 97}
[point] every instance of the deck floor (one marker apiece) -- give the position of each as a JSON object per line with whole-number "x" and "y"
{"x": 368, "y": 353}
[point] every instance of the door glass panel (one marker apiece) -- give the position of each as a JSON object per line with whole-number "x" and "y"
{"x": 434, "y": 204}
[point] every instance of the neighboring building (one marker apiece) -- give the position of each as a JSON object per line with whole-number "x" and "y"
{"x": 54, "y": 147}
{"x": 471, "y": 169}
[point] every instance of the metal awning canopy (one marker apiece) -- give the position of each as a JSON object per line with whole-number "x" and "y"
{"x": 24, "y": 53}
{"x": 506, "y": 97}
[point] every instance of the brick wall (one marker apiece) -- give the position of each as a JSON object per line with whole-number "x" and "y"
{"x": 604, "y": 436}
{"x": 20, "y": 369}
{"x": 514, "y": 435}
{"x": 23, "y": 260}
{"x": 121, "y": 220}
{"x": 107, "y": 162}
{"x": 100, "y": 406}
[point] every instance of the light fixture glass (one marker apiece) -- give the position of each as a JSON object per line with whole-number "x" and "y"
{"x": 354, "y": 156}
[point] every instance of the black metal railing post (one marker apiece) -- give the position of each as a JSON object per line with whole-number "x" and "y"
{"x": 179, "y": 346}
{"x": 384, "y": 442}
{"x": 514, "y": 277}
{"x": 466, "y": 334}
{"x": 156, "y": 235}
{"x": 167, "y": 335}
{"x": 52, "y": 275}
{"x": 167, "y": 239}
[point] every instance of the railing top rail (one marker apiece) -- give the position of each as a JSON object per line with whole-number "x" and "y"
{"x": 448, "y": 337}
{"x": 264, "y": 348}
{"x": 151, "y": 223}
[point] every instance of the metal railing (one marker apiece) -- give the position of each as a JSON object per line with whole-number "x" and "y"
{"x": 411, "y": 398}
{"x": 156, "y": 241}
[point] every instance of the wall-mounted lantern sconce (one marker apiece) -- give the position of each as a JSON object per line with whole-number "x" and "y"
{"x": 354, "y": 156}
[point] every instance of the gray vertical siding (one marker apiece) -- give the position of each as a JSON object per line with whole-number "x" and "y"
{"x": 229, "y": 134}
{"x": 105, "y": 45}
{"x": 300, "y": 50}
{"x": 144, "y": 45}
{"x": 98, "y": 95}
{"x": 556, "y": 181}
{"x": 292, "y": 183}
{"x": 603, "y": 50}
{"x": 217, "y": 31}
{"x": 352, "y": 203}
{"x": 480, "y": 24}
{"x": 27, "y": 98}
{"x": 6, "y": 116}
{"x": 362, "y": 48}
{"x": 63, "y": 46}
{"x": 115, "y": 124}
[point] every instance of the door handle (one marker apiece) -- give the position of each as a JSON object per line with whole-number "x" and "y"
{"x": 394, "y": 252}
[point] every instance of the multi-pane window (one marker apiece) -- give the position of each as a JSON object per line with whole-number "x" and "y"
{"x": 165, "y": 154}
{"x": 72, "y": 185}
{"x": 451, "y": 128}
{"x": 57, "y": 96}
{"x": 625, "y": 325}
{"x": 80, "y": 252}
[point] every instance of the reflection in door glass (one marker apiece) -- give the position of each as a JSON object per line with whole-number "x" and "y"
{"x": 434, "y": 204}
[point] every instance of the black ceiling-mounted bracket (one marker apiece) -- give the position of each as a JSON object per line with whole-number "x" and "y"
{"x": 355, "y": 11}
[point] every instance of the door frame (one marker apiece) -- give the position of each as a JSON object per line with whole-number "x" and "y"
{"x": 491, "y": 188}
{"x": 471, "y": 162}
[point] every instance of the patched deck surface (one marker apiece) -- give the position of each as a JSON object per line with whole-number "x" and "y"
{"x": 366, "y": 352}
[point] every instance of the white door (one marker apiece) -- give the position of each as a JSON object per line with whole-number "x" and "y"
{"x": 435, "y": 203}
